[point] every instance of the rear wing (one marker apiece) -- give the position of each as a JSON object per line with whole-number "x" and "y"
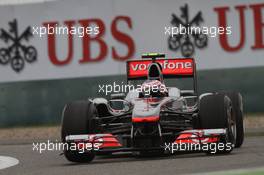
{"x": 171, "y": 68}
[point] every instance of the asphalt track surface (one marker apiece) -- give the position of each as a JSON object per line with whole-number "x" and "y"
{"x": 251, "y": 155}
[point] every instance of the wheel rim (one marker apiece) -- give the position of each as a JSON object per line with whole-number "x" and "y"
{"x": 233, "y": 130}
{"x": 231, "y": 126}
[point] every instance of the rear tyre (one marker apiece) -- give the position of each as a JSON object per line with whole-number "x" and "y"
{"x": 77, "y": 119}
{"x": 216, "y": 112}
{"x": 237, "y": 103}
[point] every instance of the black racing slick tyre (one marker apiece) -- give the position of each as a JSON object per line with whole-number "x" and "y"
{"x": 237, "y": 103}
{"x": 77, "y": 118}
{"x": 216, "y": 112}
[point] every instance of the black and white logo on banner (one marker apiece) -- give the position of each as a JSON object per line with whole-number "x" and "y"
{"x": 16, "y": 52}
{"x": 185, "y": 39}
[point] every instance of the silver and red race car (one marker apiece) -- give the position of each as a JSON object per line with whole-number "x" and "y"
{"x": 153, "y": 118}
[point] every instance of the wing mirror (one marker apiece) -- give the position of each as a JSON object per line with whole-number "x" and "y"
{"x": 119, "y": 105}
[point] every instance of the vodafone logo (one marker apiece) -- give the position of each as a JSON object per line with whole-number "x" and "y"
{"x": 139, "y": 68}
{"x": 165, "y": 65}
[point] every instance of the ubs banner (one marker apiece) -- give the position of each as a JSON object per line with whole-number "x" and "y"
{"x": 68, "y": 39}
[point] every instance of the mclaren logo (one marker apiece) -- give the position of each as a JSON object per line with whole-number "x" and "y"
{"x": 188, "y": 41}
{"x": 16, "y": 53}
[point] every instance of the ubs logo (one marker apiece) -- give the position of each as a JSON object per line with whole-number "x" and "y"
{"x": 16, "y": 53}
{"x": 189, "y": 40}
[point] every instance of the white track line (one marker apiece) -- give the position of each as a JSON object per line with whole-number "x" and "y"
{"x": 6, "y": 162}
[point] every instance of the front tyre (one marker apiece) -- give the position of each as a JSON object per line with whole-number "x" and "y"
{"x": 237, "y": 103}
{"x": 216, "y": 112}
{"x": 77, "y": 118}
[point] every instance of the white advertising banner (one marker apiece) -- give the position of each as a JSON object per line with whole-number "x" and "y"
{"x": 80, "y": 38}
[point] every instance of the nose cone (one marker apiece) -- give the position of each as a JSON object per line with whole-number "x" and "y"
{"x": 145, "y": 111}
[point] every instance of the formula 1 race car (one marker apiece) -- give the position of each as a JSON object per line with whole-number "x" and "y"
{"x": 152, "y": 118}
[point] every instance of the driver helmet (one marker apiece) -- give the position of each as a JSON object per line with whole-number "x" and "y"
{"x": 154, "y": 88}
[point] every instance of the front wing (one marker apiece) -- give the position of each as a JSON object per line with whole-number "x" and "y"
{"x": 109, "y": 143}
